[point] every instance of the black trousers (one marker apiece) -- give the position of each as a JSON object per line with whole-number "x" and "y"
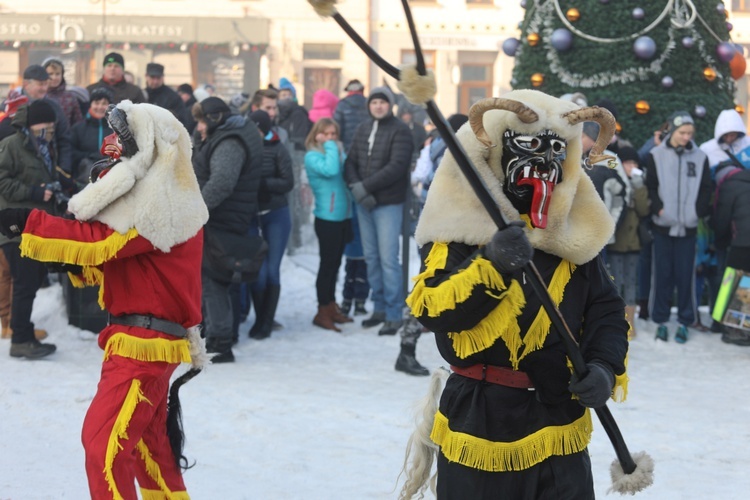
{"x": 565, "y": 477}
{"x": 332, "y": 238}
{"x": 27, "y": 275}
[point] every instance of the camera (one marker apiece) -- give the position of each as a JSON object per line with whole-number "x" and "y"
{"x": 57, "y": 192}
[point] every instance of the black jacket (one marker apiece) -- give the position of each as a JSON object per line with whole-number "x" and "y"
{"x": 166, "y": 98}
{"x": 293, "y": 118}
{"x": 350, "y": 112}
{"x": 731, "y": 219}
{"x": 384, "y": 169}
{"x": 277, "y": 177}
{"x": 86, "y": 138}
{"x": 240, "y": 205}
{"x": 189, "y": 122}
{"x": 120, "y": 91}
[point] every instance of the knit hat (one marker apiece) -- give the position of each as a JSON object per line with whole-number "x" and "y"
{"x": 201, "y": 94}
{"x": 608, "y": 105}
{"x": 678, "y": 119}
{"x": 101, "y": 93}
{"x": 213, "y": 111}
{"x": 114, "y": 57}
{"x": 40, "y": 111}
{"x": 35, "y": 72}
{"x": 457, "y": 120}
{"x": 285, "y": 84}
{"x": 53, "y": 60}
{"x": 262, "y": 120}
{"x": 185, "y": 88}
{"x": 591, "y": 130}
{"x": 354, "y": 86}
{"x": 381, "y": 93}
{"x": 212, "y": 105}
{"x": 628, "y": 153}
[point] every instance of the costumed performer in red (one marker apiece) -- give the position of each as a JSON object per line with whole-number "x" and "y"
{"x": 138, "y": 234}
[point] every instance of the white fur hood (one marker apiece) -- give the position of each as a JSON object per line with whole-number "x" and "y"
{"x": 578, "y": 224}
{"x": 154, "y": 191}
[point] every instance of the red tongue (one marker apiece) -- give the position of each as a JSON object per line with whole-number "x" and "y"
{"x": 540, "y": 200}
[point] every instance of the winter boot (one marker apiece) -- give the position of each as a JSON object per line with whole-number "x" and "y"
{"x": 359, "y": 307}
{"x": 346, "y": 306}
{"x": 681, "y": 335}
{"x": 736, "y": 336}
{"x": 661, "y": 333}
{"x": 643, "y": 309}
{"x": 31, "y": 350}
{"x": 324, "y": 318}
{"x": 277, "y": 326}
{"x": 258, "y": 299}
{"x": 376, "y": 318}
{"x": 220, "y": 349}
{"x": 270, "y": 302}
{"x": 337, "y": 315}
{"x": 390, "y": 327}
{"x": 407, "y": 362}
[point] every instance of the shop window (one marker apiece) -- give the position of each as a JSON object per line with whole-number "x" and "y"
{"x": 476, "y": 84}
{"x": 410, "y": 57}
{"x": 740, "y": 5}
{"x": 322, "y": 51}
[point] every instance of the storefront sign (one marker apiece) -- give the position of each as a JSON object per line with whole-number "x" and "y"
{"x": 461, "y": 42}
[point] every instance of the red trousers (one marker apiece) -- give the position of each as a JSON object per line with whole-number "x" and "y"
{"x": 125, "y": 433}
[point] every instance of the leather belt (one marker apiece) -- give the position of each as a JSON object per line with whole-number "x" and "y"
{"x": 149, "y": 323}
{"x": 499, "y": 375}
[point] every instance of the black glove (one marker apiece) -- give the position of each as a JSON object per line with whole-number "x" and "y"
{"x": 359, "y": 192}
{"x": 368, "y": 202}
{"x": 594, "y": 389}
{"x": 13, "y": 221}
{"x": 509, "y": 248}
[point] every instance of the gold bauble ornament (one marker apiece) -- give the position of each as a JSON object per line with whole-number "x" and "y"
{"x": 738, "y": 108}
{"x": 618, "y": 128}
{"x": 573, "y": 15}
{"x": 642, "y": 107}
{"x": 533, "y": 39}
{"x": 537, "y": 79}
{"x": 709, "y": 74}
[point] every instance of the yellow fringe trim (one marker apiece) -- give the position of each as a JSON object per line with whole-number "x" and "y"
{"x": 127, "y": 346}
{"x": 456, "y": 289}
{"x": 120, "y": 431}
{"x": 74, "y": 252}
{"x": 154, "y": 472}
{"x": 490, "y": 456}
{"x": 158, "y": 495}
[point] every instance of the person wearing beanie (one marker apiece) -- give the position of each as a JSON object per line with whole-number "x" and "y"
{"x": 88, "y": 135}
{"x": 377, "y": 171}
{"x": 113, "y": 78}
{"x": 27, "y": 165}
{"x": 323, "y": 105}
{"x": 351, "y": 111}
{"x": 185, "y": 91}
{"x": 274, "y": 222}
{"x": 227, "y": 159}
{"x": 57, "y": 90}
{"x": 286, "y": 89}
{"x": 679, "y": 183}
{"x": 34, "y": 86}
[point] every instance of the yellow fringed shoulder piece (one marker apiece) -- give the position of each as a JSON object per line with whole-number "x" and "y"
{"x": 154, "y": 472}
{"x": 490, "y": 456}
{"x": 74, "y": 252}
{"x": 455, "y": 289}
{"x": 120, "y": 431}
{"x": 127, "y": 346}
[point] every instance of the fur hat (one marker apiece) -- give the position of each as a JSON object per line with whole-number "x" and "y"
{"x": 262, "y": 120}
{"x": 40, "y": 111}
{"x": 213, "y": 111}
{"x": 114, "y": 57}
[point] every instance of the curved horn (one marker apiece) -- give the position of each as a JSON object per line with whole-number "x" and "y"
{"x": 606, "y": 123}
{"x": 476, "y": 113}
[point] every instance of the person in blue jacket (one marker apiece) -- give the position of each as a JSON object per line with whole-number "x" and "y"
{"x": 324, "y": 164}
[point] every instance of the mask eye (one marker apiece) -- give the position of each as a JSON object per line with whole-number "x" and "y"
{"x": 558, "y": 147}
{"x": 528, "y": 142}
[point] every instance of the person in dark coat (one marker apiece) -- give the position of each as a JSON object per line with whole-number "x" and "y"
{"x": 377, "y": 171}
{"x": 161, "y": 95}
{"x": 185, "y": 91}
{"x": 114, "y": 79}
{"x": 227, "y": 163}
{"x": 57, "y": 90}
{"x": 273, "y": 222}
{"x": 88, "y": 135}
{"x": 351, "y": 111}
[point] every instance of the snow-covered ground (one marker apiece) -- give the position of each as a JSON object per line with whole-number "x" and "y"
{"x": 313, "y": 414}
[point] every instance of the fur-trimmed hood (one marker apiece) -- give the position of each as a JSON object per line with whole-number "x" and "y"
{"x": 154, "y": 191}
{"x": 578, "y": 224}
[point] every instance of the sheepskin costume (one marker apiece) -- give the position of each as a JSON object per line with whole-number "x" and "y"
{"x": 578, "y": 224}
{"x": 155, "y": 190}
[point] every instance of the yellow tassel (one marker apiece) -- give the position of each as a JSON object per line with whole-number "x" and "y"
{"x": 127, "y": 346}
{"x": 76, "y": 280}
{"x": 490, "y": 456}
{"x": 154, "y": 472}
{"x": 620, "y": 391}
{"x": 74, "y": 252}
{"x": 120, "y": 431}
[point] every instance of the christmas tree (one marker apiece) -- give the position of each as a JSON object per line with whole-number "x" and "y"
{"x": 649, "y": 58}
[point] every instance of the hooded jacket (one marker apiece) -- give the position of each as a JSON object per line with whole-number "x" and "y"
{"x": 350, "y": 112}
{"x": 729, "y": 120}
{"x": 324, "y": 105}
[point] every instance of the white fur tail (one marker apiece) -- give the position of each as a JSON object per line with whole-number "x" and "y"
{"x": 198, "y": 355}
{"x": 420, "y": 450}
